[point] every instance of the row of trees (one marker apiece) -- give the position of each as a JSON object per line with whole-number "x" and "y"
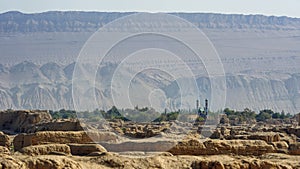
{"x": 248, "y": 115}
{"x": 149, "y": 114}
{"x": 63, "y": 114}
{"x": 167, "y": 117}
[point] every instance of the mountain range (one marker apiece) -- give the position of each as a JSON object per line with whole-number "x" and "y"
{"x": 260, "y": 54}
{"x": 56, "y": 21}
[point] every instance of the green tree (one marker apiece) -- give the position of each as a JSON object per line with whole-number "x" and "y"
{"x": 167, "y": 117}
{"x": 228, "y": 112}
{"x": 276, "y": 115}
{"x": 264, "y": 115}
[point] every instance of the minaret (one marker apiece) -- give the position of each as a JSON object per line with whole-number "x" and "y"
{"x": 198, "y": 108}
{"x": 299, "y": 119}
{"x": 206, "y": 107}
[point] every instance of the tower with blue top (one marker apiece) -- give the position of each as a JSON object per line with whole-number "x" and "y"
{"x": 202, "y": 111}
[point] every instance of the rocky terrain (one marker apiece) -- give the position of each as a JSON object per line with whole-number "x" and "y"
{"x": 260, "y": 55}
{"x": 256, "y": 145}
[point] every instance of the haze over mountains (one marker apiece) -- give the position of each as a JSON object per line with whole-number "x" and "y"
{"x": 91, "y": 21}
{"x": 260, "y": 54}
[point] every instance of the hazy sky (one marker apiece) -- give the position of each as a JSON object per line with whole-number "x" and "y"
{"x": 266, "y": 7}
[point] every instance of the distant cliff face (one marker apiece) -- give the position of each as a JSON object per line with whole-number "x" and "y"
{"x": 260, "y": 55}
{"x": 56, "y": 21}
{"x": 52, "y": 89}
{"x": 91, "y": 21}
